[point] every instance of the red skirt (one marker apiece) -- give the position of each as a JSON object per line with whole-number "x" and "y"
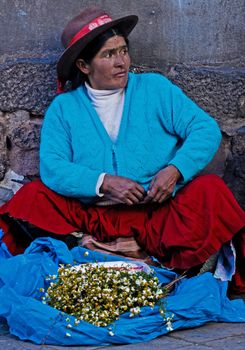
{"x": 182, "y": 233}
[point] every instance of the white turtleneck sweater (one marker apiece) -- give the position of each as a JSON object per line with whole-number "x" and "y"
{"x": 109, "y": 107}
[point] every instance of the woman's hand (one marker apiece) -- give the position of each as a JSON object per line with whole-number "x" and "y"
{"x": 122, "y": 190}
{"x": 162, "y": 185}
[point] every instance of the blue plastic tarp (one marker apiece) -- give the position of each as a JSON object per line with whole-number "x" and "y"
{"x": 193, "y": 302}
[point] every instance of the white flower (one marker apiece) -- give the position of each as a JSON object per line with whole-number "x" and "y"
{"x": 86, "y": 254}
{"x": 169, "y": 326}
{"x": 68, "y": 335}
{"x": 111, "y": 333}
{"x": 134, "y": 311}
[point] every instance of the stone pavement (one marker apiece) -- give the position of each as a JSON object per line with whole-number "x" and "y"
{"x": 212, "y": 336}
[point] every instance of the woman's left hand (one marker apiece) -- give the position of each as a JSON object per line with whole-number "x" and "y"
{"x": 162, "y": 185}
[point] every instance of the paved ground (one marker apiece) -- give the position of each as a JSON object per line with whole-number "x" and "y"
{"x": 218, "y": 336}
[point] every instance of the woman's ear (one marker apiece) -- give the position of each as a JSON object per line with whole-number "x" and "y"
{"x": 82, "y": 66}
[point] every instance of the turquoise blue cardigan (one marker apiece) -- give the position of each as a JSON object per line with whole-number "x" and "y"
{"x": 160, "y": 126}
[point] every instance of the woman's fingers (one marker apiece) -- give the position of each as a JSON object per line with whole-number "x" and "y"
{"x": 123, "y": 189}
{"x": 162, "y": 185}
{"x": 139, "y": 193}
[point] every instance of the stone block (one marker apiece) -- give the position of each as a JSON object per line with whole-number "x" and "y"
{"x": 241, "y": 105}
{"x": 25, "y": 136}
{"x": 198, "y": 32}
{"x": 25, "y": 162}
{"x": 211, "y": 332}
{"x": 3, "y": 160}
{"x": 27, "y": 86}
{"x": 236, "y": 343}
{"x": 217, "y": 90}
{"x": 2, "y": 167}
{"x": 17, "y": 116}
{"x": 234, "y": 174}
{"x": 24, "y": 141}
{"x": 238, "y": 143}
{"x": 163, "y": 342}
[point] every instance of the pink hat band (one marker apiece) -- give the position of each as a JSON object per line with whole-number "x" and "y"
{"x": 97, "y": 22}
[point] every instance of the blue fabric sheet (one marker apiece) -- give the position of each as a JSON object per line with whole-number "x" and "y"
{"x": 194, "y": 301}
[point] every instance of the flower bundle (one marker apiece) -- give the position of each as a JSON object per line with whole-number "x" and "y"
{"x": 99, "y": 294}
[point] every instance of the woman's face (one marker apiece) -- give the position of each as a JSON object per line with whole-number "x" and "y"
{"x": 109, "y": 68}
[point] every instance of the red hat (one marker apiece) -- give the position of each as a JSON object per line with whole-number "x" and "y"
{"x": 81, "y": 30}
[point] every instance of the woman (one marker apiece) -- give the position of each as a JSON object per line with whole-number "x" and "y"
{"x": 119, "y": 159}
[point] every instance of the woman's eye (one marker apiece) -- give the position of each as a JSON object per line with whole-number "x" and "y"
{"x": 108, "y": 54}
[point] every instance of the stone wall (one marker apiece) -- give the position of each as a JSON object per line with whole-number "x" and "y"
{"x": 199, "y": 45}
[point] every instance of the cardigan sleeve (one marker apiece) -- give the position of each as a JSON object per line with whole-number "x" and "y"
{"x": 198, "y": 132}
{"x": 57, "y": 168}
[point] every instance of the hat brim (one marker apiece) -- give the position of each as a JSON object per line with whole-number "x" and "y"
{"x": 64, "y": 66}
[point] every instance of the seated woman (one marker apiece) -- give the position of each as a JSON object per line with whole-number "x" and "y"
{"x": 119, "y": 159}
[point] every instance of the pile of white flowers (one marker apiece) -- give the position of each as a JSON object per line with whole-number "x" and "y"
{"x": 99, "y": 294}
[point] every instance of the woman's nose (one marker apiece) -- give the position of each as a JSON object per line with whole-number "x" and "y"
{"x": 119, "y": 60}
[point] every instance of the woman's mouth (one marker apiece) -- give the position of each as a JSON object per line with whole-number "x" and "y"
{"x": 121, "y": 74}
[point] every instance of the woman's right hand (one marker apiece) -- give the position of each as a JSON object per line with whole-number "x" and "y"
{"x": 122, "y": 190}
